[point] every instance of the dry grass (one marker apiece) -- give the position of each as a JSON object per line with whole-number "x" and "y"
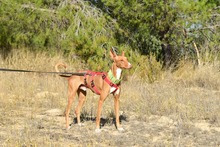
{"x": 188, "y": 94}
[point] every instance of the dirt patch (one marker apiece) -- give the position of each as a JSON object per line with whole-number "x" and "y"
{"x": 47, "y": 128}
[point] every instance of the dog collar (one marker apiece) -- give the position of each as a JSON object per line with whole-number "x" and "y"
{"x": 112, "y": 78}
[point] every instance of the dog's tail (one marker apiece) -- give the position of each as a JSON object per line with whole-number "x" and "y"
{"x": 57, "y": 69}
{"x": 58, "y": 65}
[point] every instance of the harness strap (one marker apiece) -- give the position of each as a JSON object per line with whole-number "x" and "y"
{"x": 95, "y": 89}
{"x": 92, "y": 87}
{"x": 112, "y": 78}
{"x": 104, "y": 77}
{"x": 110, "y": 83}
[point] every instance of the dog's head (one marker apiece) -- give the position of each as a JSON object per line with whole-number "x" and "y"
{"x": 121, "y": 61}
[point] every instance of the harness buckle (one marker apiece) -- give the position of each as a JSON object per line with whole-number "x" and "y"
{"x": 111, "y": 84}
{"x": 103, "y": 76}
{"x": 85, "y": 81}
{"x": 92, "y": 84}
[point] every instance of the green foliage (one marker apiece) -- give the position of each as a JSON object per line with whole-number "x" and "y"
{"x": 158, "y": 26}
{"x": 146, "y": 23}
{"x": 67, "y": 26}
{"x": 196, "y": 18}
{"x": 165, "y": 29}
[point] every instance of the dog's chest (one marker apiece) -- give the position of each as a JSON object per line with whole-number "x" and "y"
{"x": 84, "y": 88}
{"x": 113, "y": 90}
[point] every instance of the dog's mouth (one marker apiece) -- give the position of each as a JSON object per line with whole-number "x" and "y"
{"x": 129, "y": 66}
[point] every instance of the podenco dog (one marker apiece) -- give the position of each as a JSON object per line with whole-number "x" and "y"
{"x": 101, "y": 83}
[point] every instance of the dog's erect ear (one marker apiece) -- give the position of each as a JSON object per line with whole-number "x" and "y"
{"x": 112, "y": 54}
{"x": 123, "y": 53}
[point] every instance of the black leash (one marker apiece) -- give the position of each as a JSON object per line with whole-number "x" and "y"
{"x": 44, "y": 72}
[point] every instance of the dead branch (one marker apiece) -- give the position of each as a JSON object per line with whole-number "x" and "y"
{"x": 38, "y": 9}
{"x": 197, "y": 53}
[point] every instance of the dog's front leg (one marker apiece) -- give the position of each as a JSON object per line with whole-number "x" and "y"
{"x": 102, "y": 98}
{"x": 116, "y": 106}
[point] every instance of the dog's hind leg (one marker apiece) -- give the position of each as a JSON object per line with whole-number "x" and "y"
{"x": 82, "y": 96}
{"x": 72, "y": 89}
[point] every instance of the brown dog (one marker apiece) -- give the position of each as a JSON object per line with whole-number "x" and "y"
{"x": 101, "y": 83}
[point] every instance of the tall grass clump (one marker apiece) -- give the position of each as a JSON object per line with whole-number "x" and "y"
{"x": 30, "y": 89}
{"x": 188, "y": 94}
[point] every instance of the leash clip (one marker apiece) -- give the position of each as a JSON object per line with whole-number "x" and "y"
{"x": 92, "y": 84}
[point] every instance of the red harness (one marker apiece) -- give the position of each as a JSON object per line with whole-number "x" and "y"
{"x": 92, "y": 84}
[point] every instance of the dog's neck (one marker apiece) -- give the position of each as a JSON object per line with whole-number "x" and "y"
{"x": 116, "y": 71}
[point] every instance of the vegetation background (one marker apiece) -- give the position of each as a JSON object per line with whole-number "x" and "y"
{"x": 173, "y": 46}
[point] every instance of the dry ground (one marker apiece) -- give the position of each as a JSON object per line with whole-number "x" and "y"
{"x": 47, "y": 130}
{"x": 36, "y": 118}
{"x": 181, "y": 109}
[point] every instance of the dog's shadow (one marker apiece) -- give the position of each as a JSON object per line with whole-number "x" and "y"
{"x": 103, "y": 121}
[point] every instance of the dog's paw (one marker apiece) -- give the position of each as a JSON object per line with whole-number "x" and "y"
{"x": 81, "y": 124}
{"x": 121, "y": 129}
{"x": 68, "y": 128}
{"x": 97, "y": 130}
